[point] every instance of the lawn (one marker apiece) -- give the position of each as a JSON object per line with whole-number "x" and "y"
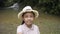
{"x": 48, "y": 24}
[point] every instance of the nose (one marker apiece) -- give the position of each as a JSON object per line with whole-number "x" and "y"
{"x": 29, "y": 18}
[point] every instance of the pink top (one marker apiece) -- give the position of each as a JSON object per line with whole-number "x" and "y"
{"x": 25, "y": 30}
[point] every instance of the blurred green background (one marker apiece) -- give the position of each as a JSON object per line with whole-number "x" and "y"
{"x": 48, "y": 20}
{"x": 48, "y": 24}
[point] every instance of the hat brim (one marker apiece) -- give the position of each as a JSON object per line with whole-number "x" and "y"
{"x": 34, "y": 11}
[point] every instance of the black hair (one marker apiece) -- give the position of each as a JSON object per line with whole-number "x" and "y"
{"x": 25, "y": 13}
{"x": 22, "y": 22}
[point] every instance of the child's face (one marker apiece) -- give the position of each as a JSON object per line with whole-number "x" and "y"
{"x": 28, "y": 18}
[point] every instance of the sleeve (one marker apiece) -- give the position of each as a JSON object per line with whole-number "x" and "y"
{"x": 19, "y": 29}
{"x": 38, "y": 31}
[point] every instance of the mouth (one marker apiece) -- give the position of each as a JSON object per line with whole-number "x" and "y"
{"x": 29, "y": 21}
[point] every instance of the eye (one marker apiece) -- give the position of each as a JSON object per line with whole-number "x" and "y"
{"x": 26, "y": 16}
{"x": 31, "y": 15}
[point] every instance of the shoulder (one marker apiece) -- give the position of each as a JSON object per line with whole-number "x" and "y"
{"x": 20, "y": 26}
{"x": 35, "y": 26}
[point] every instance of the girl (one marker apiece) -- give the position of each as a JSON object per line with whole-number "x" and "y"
{"x": 27, "y": 26}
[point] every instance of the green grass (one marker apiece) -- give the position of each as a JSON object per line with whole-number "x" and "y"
{"x": 48, "y": 24}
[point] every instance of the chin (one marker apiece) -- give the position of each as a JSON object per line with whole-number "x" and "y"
{"x": 30, "y": 24}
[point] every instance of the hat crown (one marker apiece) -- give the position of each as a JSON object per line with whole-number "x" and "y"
{"x": 27, "y": 8}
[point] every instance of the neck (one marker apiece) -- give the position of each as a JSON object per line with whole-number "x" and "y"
{"x": 29, "y": 26}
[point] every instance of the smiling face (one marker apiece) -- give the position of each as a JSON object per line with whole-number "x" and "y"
{"x": 28, "y": 18}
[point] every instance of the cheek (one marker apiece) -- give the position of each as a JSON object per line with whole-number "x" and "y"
{"x": 32, "y": 19}
{"x": 25, "y": 19}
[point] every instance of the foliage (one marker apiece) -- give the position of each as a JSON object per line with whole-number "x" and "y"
{"x": 46, "y": 6}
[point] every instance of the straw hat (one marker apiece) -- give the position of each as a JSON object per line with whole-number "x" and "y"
{"x": 27, "y": 9}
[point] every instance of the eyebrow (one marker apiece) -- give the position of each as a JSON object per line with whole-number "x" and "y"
{"x": 28, "y": 12}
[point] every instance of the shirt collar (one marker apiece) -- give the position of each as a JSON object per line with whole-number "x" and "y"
{"x": 28, "y": 28}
